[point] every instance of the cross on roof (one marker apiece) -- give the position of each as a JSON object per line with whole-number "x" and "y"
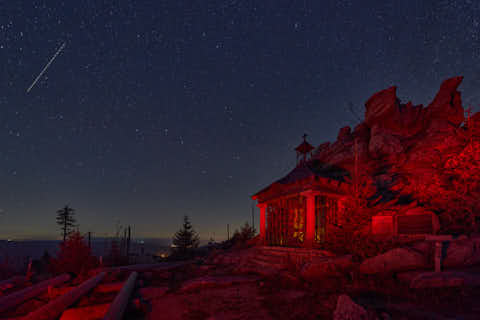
{"x": 304, "y": 148}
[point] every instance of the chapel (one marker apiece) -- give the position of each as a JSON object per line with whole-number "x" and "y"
{"x": 297, "y": 210}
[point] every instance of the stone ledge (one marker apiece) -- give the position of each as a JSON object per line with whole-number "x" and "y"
{"x": 297, "y": 251}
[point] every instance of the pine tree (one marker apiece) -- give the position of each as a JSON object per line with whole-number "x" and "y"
{"x": 186, "y": 238}
{"x": 65, "y": 220}
{"x": 246, "y": 233}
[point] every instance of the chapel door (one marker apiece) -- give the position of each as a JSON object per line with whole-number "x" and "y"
{"x": 275, "y": 217}
{"x": 326, "y": 210}
{"x": 320, "y": 218}
{"x": 296, "y": 221}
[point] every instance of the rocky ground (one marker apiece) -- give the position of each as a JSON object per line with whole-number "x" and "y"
{"x": 256, "y": 283}
{"x": 292, "y": 283}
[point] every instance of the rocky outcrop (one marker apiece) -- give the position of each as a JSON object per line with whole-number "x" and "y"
{"x": 406, "y": 151}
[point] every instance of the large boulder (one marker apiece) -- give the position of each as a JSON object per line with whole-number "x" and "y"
{"x": 395, "y": 260}
{"x": 462, "y": 252}
{"x": 348, "y": 310}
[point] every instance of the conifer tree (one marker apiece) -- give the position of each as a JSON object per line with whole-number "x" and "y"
{"x": 246, "y": 233}
{"x": 65, "y": 220}
{"x": 186, "y": 238}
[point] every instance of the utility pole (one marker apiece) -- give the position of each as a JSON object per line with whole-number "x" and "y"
{"x": 125, "y": 240}
{"x": 253, "y": 217}
{"x": 128, "y": 244}
{"x": 89, "y": 240}
{"x": 356, "y": 170}
{"x": 228, "y": 231}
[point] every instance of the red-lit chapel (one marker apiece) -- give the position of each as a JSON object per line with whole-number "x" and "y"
{"x": 413, "y": 170}
{"x": 295, "y": 210}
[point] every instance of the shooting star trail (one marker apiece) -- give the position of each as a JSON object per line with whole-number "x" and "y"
{"x": 46, "y": 66}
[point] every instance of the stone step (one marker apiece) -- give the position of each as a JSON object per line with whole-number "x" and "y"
{"x": 269, "y": 259}
{"x": 267, "y": 264}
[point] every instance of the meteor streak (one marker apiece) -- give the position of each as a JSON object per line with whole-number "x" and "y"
{"x": 46, "y": 66}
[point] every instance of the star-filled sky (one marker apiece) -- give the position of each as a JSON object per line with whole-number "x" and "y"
{"x": 157, "y": 109}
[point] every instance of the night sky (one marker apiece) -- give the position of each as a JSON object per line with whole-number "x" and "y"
{"x": 157, "y": 109}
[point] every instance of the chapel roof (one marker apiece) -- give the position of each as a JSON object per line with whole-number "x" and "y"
{"x": 309, "y": 170}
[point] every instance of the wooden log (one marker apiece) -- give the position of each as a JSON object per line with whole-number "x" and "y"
{"x": 20, "y": 296}
{"x": 12, "y": 282}
{"x": 118, "y": 306}
{"x": 109, "y": 287}
{"x": 54, "y": 308}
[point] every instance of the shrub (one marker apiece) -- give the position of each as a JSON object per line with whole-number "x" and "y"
{"x": 74, "y": 256}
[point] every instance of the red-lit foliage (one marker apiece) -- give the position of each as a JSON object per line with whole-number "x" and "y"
{"x": 74, "y": 256}
{"x": 352, "y": 234}
{"x": 412, "y": 157}
{"x": 6, "y": 270}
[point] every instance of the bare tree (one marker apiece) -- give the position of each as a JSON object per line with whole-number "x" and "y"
{"x": 66, "y": 221}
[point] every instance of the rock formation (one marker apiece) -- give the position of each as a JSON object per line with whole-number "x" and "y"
{"x": 416, "y": 156}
